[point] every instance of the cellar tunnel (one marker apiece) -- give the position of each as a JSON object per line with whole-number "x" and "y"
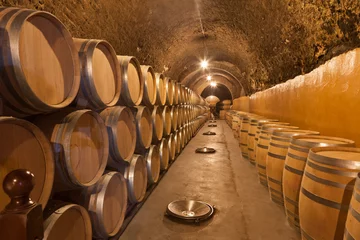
{"x": 182, "y": 119}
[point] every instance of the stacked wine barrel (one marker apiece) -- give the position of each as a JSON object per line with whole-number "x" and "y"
{"x": 97, "y": 129}
{"x": 314, "y": 178}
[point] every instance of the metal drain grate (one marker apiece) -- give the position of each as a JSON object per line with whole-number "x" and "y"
{"x": 205, "y": 150}
{"x": 209, "y": 133}
{"x": 190, "y": 210}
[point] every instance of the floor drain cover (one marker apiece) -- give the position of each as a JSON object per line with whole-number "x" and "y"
{"x": 212, "y": 125}
{"x": 205, "y": 150}
{"x": 209, "y": 133}
{"x": 190, "y": 210}
{"x": 213, "y": 121}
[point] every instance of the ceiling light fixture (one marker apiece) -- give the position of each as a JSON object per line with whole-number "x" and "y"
{"x": 209, "y": 78}
{"x": 204, "y": 64}
{"x": 213, "y": 84}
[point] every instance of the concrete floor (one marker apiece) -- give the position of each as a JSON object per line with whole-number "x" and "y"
{"x": 224, "y": 179}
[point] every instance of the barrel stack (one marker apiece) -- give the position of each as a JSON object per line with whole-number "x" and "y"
{"x": 101, "y": 128}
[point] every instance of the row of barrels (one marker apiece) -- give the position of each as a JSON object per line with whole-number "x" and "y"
{"x": 85, "y": 160}
{"x": 315, "y": 178}
{"x": 45, "y": 69}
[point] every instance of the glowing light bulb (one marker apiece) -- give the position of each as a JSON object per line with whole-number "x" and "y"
{"x": 204, "y": 64}
{"x": 213, "y": 84}
{"x": 208, "y": 78}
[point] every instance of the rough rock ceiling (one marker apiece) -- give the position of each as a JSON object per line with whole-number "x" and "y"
{"x": 251, "y": 44}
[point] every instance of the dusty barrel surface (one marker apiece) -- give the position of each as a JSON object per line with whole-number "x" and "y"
{"x": 166, "y": 116}
{"x": 24, "y": 146}
{"x": 70, "y": 221}
{"x": 136, "y": 177}
{"x": 326, "y": 191}
{"x": 263, "y": 148}
{"x": 275, "y": 160}
{"x": 132, "y": 88}
{"x": 100, "y": 84}
{"x": 164, "y": 154}
{"x": 39, "y": 62}
{"x": 144, "y": 128}
{"x": 294, "y": 169}
{"x": 152, "y": 159}
{"x": 157, "y": 124}
{"x": 120, "y": 123}
{"x": 160, "y": 89}
{"x": 172, "y": 146}
{"x": 81, "y": 147}
{"x": 352, "y": 226}
{"x": 148, "y": 75}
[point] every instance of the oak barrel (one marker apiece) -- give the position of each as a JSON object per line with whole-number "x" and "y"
{"x": 160, "y": 89}
{"x": 39, "y": 62}
{"x": 121, "y": 128}
{"x": 166, "y": 116}
{"x": 148, "y": 75}
{"x": 177, "y": 135}
{"x": 172, "y": 146}
{"x": 174, "y": 117}
{"x": 157, "y": 124}
{"x": 81, "y": 147}
{"x": 152, "y": 159}
{"x": 294, "y": 168}
{"x": 275, "y": 160}
{"x": 24, "y": 146}
{"x": 164, "y": 154}
{"x": 180, "y": 115}
{"x": 352, "y": 226}
{"x": 176, "y": 92}
{"x": 169, "y": 88}
{"x": 183, "y": 137}
{"x": 243, "y": 135}
{"x": 144, "y": 128}
{"x": 262, "y": 149}
{"x": 69, "y": 222}
{"x": 100, "y": 84}
{"x": 326, "y": 191}
{"x": 132, "y": 88}
{"x": 136, "y": 177}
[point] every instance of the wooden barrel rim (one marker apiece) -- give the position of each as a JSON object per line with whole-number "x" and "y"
{"x": 52, "y": 219}
{"x": 336, "y": 162}
{"x": 125, "y": 93}
{"x": 167, "y": 126}
{"x": 149, "y": 163}
{"x": 87, "y": 49}
{"x": 172, "y": 146}
{"x": 164, "y": 160}
{"x": 300, "y": 141}
{"x": 288, "y": 133}
{"x": 101, "y": 188}
{"x": 141, "y": 111}
{"x": 158, "y": 130}
{"x": 176, "y": 93}
{"x": 169, "y": 88}
{"x": 160, "y": 98}
{"x": 14, "y": 33}
{"x": 145, "y": 70}
{"x": 47, "y": 150}
{"x": 67, "y": 127}
{"x": 174, "y": 117}
{"x": 137, "y": 159}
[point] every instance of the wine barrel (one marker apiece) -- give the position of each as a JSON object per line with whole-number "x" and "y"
{"x": 24, "y": 146}
{"x": 275, "y": 160}
{"x": 39, "y": 63}
{"x": 81, "y": 147}
{"x": 172, "y": 147}
{"x": 176, "y": 92}
{"x": 166, "y": 116}
{"x": 157, "y": 124}
{"x": 261, "y": 123}
{"x": 144, "y": 128}
{"x": 132, "y": 88}
{"x": 169, "y": 88}
{"x": 174, "y": 118}
{"x": 177, "y": 135}
{"x": 181, "y": 94}
{"x": 326, "y": 190}
{"x": 164, "y": 154}
{"x": 262, "y": 149}
{"x": 136, "y": 175}
{"x": 294, "y": 168}
{"x": 148, "y": 75}
{"x": 180, "y": 116}
{"x": 183, "y": 137}
{"x": 100, "y": 84}
{"x": 160, "y": 89}
{"x": 152, "y": 159}
{"x": 70, "y": 221}
{"x": 120, "y": 123}
{"x": 352, "y": 226}
{"x": 243, "y": 136}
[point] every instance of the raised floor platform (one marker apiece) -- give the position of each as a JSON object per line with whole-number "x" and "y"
{"x": 224, "y": 179}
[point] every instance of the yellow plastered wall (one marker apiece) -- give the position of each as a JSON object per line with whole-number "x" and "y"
{"x": 326, "y": 100}
{"x": 241, "y": 104}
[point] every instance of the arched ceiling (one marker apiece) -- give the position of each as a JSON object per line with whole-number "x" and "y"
{"x": 250, "y": 45}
